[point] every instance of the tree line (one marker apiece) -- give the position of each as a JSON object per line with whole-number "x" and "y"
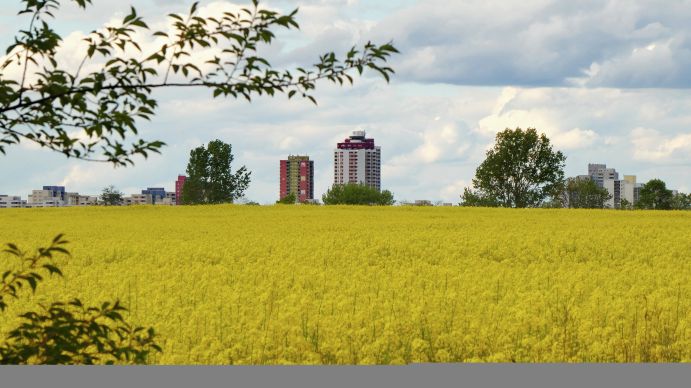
{"x": 523, "y": 170}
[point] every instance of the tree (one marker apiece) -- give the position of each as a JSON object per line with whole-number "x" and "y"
{"x": 624, "y": 204}
{"x": 210, "y": 179}
{"x": 681, "y": 201}
{"x": 89, "y": 114}
{"x": 110, "y": 196}
{"x": 655, "y": 195}
{"x": 521, "y": 170}
{"x": 357, "y": 194}
{"x": 66, "y": 332}
{"x": 473, "y": 198}
{"x": 289, "y": 199}
{"x": 584, "y": 193}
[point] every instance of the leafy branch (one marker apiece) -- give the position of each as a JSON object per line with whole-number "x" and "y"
{"x": 67, "y": 333}
{"x": 82, "y": 115}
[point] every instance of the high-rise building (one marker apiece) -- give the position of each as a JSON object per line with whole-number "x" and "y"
{"x": 599, "y": 173}
{"x": 297, "y": 177}
{"x": 358, "y": 160}
{"x": 178, "y": 189}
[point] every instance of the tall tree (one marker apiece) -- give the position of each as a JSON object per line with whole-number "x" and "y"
{"x": 521, "y": 170}
{"x": 655, "y": 195}
{"x": 357, "y": 194}
{"x": 110, "y": 196}
{"x": 584, "y": 193}
{"x": 210, "y": 179}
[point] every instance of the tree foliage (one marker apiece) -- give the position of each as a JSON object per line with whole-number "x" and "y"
{"x": 681, "y": 201}
{"x": 210, "y": 179}
{"x": 584, "y": 193}
{"x": 89, "y": 114}
{"x": 110, "y": 196}
{"x": 357, "y": 194}
{"x": 654, "y": 195}
{"x": 521, "y": 170}
{"x": 289, "y": 199}
{"x": 66, "y": 332}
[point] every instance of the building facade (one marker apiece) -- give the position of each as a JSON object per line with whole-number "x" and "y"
{"x": 178, "y": 189}
{"x": 599, "y": 173}
{"x": 297, "y": 177}
{"x": 11, "y": 201}
{"x": 358, "y": 160}
{"x": 156, "y": 194}
{"x": 626, "y": 189}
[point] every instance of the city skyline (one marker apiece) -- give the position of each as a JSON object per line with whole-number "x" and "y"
{"x": 620, "y": 91}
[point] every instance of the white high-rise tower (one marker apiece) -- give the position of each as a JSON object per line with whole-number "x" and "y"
{"x": 358, "y": 160}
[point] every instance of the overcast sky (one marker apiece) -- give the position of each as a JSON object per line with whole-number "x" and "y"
{"x": 607, "y": 81}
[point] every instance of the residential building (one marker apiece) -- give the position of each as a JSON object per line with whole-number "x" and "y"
{"x": 49, "y": 196}
{"x": 11, "y": 201}
{"x": 358, "y": 160}
{"x": 628, "y": 190}
{"x": 613, "y": 186}
{"x": 138, "y": 199}
{"x": 74, "y": 199}
{"x": 599, "y": 173}
{"x": 157, "y": 194}
{"x": 297, "y": 177}
{"x": 178, "y": 189}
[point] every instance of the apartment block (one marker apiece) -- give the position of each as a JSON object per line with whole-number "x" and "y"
{"x": 11, "y": 201}
{"x": 297, "y": 177}
{"x": 358, "y": 160}
{"x": 599, "y": 173}
{"x": 178, "y": 189}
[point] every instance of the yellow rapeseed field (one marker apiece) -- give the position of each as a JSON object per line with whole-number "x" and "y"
{"x": 370, "y": 285}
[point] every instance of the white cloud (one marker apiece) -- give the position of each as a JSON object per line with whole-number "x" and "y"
{"x": 651, "y": 145}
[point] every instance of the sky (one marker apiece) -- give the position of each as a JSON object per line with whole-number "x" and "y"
{"x": 608, "y": 81}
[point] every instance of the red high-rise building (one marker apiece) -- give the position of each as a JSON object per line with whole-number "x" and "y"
{"x": 178, "y": 189}
{"x": 297, "y": 177}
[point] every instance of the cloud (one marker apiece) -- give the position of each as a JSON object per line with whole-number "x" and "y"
{"x": 653, "y": 146}
{"x": 590, "y": 43}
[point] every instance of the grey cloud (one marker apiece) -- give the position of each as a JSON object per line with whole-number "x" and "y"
{"x": 540, "y": 43}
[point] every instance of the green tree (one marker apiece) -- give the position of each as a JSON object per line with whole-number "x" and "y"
{"x": 681, "y": 201}
{"x": 210, "y": 179}
{"x": 584, "y": 193}
{"x": 655, "y": 195}
{"x": 110, "y": 196}
{"x": 476, "y": 198}
{"x": 91, "y": 116}
{"x": 624, "y": 204}
{"x": 289, "y": 199}
{"x": 521, "y": 170}
{"x": 357, "y": 194}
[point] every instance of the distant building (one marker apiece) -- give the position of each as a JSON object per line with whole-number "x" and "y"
{"x": 297, "y": 177}
{"x": 599, "y": 173}
{"x": 157, "y": 194}
{"x": 49, "y": 196}
{"x": 138, "y": 199}
{"x": 11, "y": 201}
{"x": 620, "y": 189}
{"x": 358, "y": 160}
{"x": 178, "y": 189}
{"x": 151, "y": 196}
